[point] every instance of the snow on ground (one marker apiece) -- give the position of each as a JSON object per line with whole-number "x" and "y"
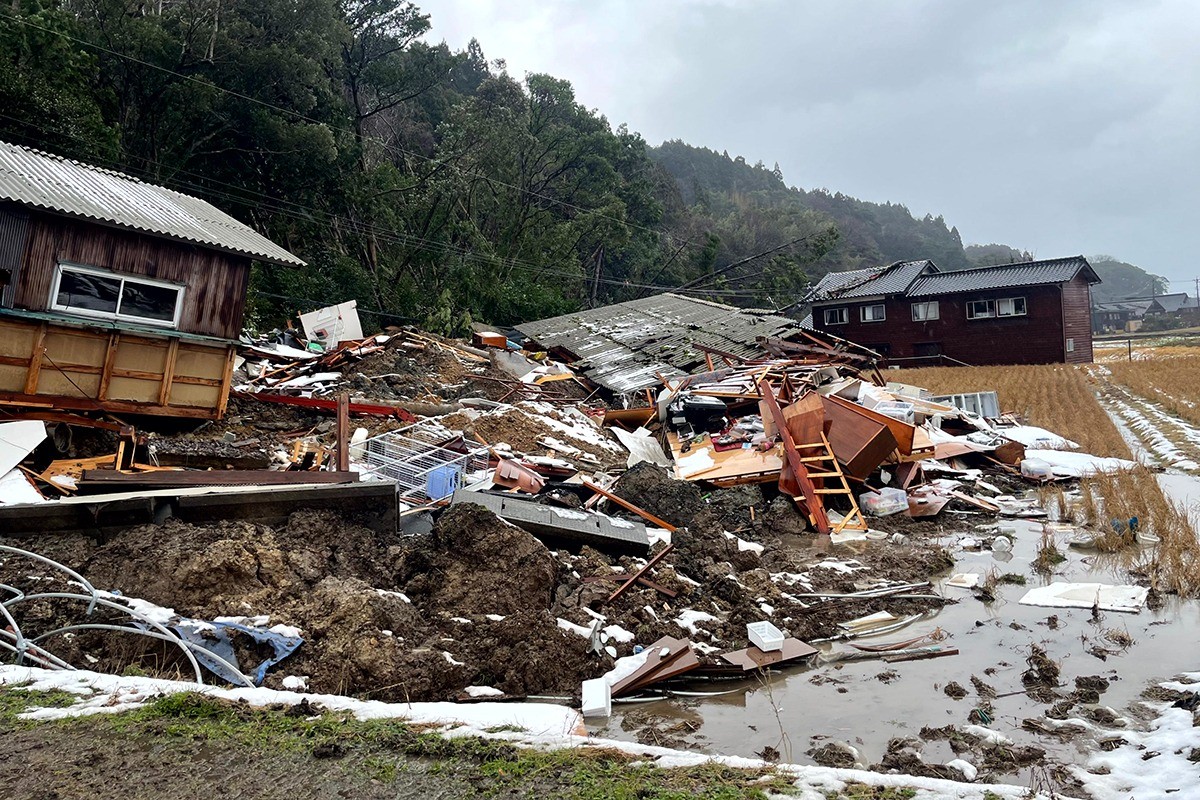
{"x": 542, "y": 725}
{"x": 571, "y": 421}
{"x": 1154, "y": 764}
{"x": 1078, "y": 465}
{"x": 1151, "y": 434}
{"x": 689, "y": 617}
{"x": 1033, "y": 436}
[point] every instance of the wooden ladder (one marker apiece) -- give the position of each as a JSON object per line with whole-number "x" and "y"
{"x": 826, "y": 466}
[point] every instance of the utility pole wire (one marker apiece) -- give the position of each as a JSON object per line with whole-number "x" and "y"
{"x": 706, "y": 278}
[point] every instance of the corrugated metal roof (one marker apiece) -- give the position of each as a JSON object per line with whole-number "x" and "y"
{"x": 893, "y": 279}
{"x": 622, "y": 346}
{"x": 1003, "y": 276}
{"x": 50, "y": 182}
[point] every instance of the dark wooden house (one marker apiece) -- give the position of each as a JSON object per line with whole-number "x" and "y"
{"x": 1036, "y": 312}
{"x": 117, "y": 295}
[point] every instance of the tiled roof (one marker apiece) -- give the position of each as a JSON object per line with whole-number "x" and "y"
{"x": 1003, "y": 276}
{"x": 622, "y": 346}
{"x": 41, "y": 180}
{"x": 894, "y": 279}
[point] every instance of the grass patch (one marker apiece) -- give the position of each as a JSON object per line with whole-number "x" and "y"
{"x": 1012, "y": 578}
{"x": 383, "y": 750}
{"x": 16, "y": 701}
{"x": 863, "y": 791}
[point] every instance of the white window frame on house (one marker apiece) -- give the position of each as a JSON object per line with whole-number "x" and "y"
{"x": 836, "y": 316}
{"x": 1012, "y": 311}
{"x": 867, "y": 313}
{"x": 995, "y": 308}
{"x": 116, "y": 316}
{"x": 929, "y": 311}
{"x": 1070, "y": 345}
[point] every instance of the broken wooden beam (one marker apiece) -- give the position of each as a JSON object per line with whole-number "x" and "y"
{"x": 624, "y": 587}
{"x": 628, "y": 506}
{"x": 322, "y": 404}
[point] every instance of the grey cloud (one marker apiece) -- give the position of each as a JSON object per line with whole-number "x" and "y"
{"x": 1062, "y": 127}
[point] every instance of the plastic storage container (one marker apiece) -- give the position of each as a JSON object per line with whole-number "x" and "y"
{"x": 887, "y": 501}
{"x": 1037, "y": 469}
{"x": 897, "y": 409}
{"x": 765, "y": 636}
{"x": 442, "y": 481}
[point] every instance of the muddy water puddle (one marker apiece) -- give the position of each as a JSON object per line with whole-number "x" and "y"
{"x": 867, "y": 703}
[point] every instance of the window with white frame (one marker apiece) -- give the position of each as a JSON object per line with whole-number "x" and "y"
{"x": 978, "y": 309}
{"x": 873, "y": 313}
{"x": 923, "y": 312}
{"x": 836, "y": 316}
{"x": 1010, "y": 307}
{"x": 1004, "y": 307}
{"x": 1070, "y": 345}
{"x": 92, "y": 292}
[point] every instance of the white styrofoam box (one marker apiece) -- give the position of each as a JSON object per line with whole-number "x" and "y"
{"x": 898, "y": 410}
{"x": 597, "y": 698}
{"x": 765, "y": 636}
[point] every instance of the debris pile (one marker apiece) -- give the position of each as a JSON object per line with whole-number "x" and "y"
{"x": 430, "y": 519}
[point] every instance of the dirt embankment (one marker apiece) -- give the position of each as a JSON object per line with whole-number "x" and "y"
{"x": 476, "y": 602}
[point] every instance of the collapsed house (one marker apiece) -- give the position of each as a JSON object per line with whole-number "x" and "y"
{"x": 117, "y": 295}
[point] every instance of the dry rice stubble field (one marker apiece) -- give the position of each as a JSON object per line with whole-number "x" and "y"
{"x": 1063, "y": 399}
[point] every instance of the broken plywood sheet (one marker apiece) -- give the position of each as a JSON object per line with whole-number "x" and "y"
{"x": 666, "y": 658}
{"x": 753, "y": 658}
{"x": 1107, "y": 597}
{"x": 728, "y": 466}
{"x": 565, "y": 524}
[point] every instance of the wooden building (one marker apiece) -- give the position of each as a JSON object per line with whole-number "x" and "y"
{"x": 1036, "y": 312}
{"x": 117, "y": 295}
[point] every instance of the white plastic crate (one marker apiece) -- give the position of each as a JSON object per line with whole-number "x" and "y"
{"x": 765, "y": 636}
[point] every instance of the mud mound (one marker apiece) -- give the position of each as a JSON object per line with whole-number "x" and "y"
{"x": 678, "y": 502}
{"x": 474, "y": 563}
{"x": 527, "y": 653}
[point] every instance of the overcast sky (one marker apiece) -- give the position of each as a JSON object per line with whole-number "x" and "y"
{"x": 1059, "y": 127}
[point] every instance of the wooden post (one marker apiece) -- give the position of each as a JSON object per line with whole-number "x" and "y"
{"x": 343, "y": 431}
{"x": 164, "y": 392}
{"x": 110, "y": 359}
{"x": 35, "y": 360}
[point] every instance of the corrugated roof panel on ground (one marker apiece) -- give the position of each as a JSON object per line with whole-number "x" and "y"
{"x": 622, "y": 346}
{"x": 41, "y": 180}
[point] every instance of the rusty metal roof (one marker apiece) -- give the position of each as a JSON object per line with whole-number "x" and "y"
{"x": 622, "y": 346}
{"x": 1004, "y": 276}
{"x": 53, "y": 183}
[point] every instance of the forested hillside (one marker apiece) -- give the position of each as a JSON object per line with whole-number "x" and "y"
{"x": 430, "y": 185}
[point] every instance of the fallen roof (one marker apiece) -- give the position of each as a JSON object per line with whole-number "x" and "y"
{"x": 622, "y": 346}
{"x": 892, "y": 279}
{"x": 1004, "y": 276}
{"x": 53, "y": 183}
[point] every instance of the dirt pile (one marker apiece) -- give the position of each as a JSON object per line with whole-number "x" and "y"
{"x": 473, "y": 562}
{"x": 382, "y": 616}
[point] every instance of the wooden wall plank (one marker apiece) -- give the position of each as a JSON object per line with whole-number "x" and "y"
{"x": 215, "y": 293}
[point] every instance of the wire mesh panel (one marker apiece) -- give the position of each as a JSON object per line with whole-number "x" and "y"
{"x": 426, "y": 460}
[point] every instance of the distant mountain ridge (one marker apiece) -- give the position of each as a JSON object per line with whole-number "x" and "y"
{"x": 870, "y": 234}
